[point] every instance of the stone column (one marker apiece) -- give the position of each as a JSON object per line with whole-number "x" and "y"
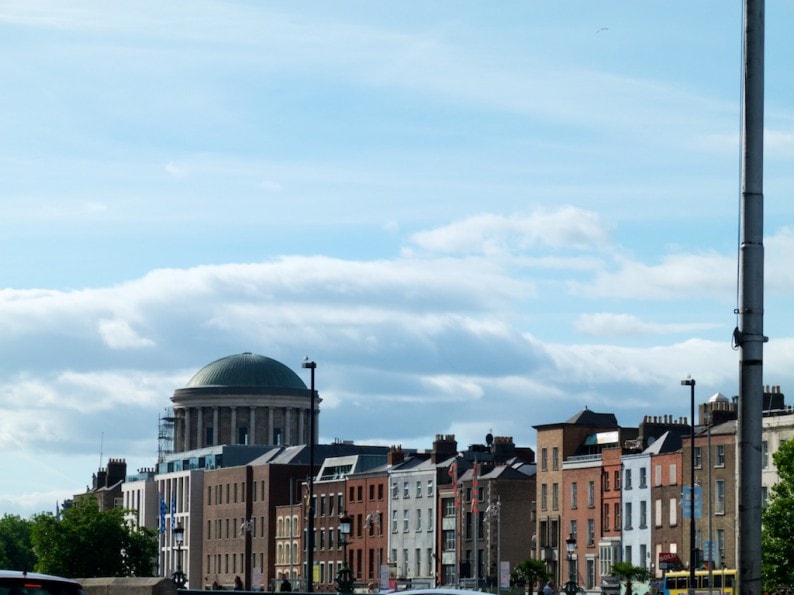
{"x": 187, "y": 429}
{"x": 200, "y": 427}
{"x": 233, "y": 424}
{"x": 302, "y": 427}
{"x": 287, "y": 425}
{"x": 215, "y": 427}
{"x": 252, "y": 425}
{"x": 270, "y": 425}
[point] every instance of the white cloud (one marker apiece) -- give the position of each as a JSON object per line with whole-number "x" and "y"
{"x": 118, "y": 334}
{"x": 606, "y": 324}
{"x": 567, "y": 228}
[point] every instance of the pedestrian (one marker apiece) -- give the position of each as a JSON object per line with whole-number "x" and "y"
{"x": 286, "y": 585}
{"x": 548, "y": 589}
{"x": 238, "y": 583}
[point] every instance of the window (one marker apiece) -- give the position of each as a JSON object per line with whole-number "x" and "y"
{"x": 719, "y": 496}
{"x": 605, "y": 479}
{"x": 627, "y": 482}
{"x": 590, "y": 532}
{"x": 617, "y": 516}
{"x": 643, "y": 477}
{"x": 673, "y": 474}
{"x": 544, "y": 496}
{"x": 429, "y": 488}
{"x": 418, "y": 489}
{"x": 643, "y": 555}
{"x": 591, "y": 494}
{"x": 720, "y": 458}
{"x": 643, "y": 515}
{"x": 405, "y": 521}
{"x": 627, "y": 515}
{"x": 544, "y": 459}
{"x": 698, "y": 457}
{"x": 606, "y": 516}
{"x": 721, "y": 543}
{"x": 555, "y": 458}
{"x": 406, "y": 492}
{"x": 429, "y": 519}
{"x": 617, "y": 479}
{"x": 448, "y": 540}
{"x": 627, "y": 555}
{"x": 449, "y": 507}
{"x": 418, "y": 520}
{"x": 395, "y": 490}
{"x": 657, "y": 479}
{"x": 658, "y": 512}
{"x": 573, "y": 530}
{"x": 555, "y": 496}
{"x": 573, "y": 494}
{"x": 394, "y": 521}
{"x": 673, "y": 512}
{"x": 322, "y": 505}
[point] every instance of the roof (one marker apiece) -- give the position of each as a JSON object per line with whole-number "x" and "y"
{"x": 246, "y": 370}
{"x": 586, "y": 417}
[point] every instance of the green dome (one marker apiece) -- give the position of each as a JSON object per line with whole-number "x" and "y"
{"x": 246, "y": 370}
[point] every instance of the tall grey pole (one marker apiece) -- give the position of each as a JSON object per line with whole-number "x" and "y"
{"x": 312, "y": 366}
{"x": 690, "y": 382}
{"x": 749, "y": 336}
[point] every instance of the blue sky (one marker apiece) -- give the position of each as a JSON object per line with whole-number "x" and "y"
{"x": 473, "y": 219}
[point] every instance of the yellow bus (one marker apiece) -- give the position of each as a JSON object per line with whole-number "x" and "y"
{"x": 723, "y": 582}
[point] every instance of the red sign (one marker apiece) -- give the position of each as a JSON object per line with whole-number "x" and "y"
{"x": 667, "y": 557}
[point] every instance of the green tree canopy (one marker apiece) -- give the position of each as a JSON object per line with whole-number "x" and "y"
{"x": 777, "y": 533}
{"x": 529, "y": 573}
{"x": 627, "y": 573}
{"x": 16, "y": 547}
{"x": 86, "y": 542}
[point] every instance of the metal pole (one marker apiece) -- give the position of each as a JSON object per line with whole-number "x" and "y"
{"x": 711, "y": 537}
{"x": 749, "y": 335}
{"x": 312, "y": 366}
{"x": 690, "y": 382}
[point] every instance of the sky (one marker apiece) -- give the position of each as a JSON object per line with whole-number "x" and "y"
{"x": 474, "y": 218}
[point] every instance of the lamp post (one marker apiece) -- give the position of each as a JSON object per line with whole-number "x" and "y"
{"x": 179, "y": 578}
{"x": 571, "y": 587}
{"x": 690, "y": 382}
{"x": 344, "y": 580}
{"x": 310, "y": 365}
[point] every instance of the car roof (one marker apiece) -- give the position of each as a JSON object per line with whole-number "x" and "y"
{"x": 439, "y": 591}
{"x": 20, "y": 575}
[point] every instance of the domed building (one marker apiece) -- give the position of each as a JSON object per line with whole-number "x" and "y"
{"x": 243, "y": 399}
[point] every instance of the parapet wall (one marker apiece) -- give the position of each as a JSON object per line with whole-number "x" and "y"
{"x": 128, "y": 586}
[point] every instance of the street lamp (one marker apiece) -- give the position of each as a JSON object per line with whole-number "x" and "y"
{"x": 571, "y": 587}
{"x": 179, "y": 578}
{"x": 310, "y": 365}
{"x": 344, "y": 580}
{"x": 690, "y": 382}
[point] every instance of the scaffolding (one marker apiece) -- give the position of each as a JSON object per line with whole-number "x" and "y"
{"x": 165, "y": 435}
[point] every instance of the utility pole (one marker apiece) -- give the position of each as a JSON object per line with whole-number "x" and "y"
{"x": 749, "y": 335}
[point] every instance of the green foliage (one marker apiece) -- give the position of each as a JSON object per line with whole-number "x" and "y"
{"x": 627, "y": 573}
{"x": 529, "y": 573}
{"x": 16, "y": 547}
{"x": 86, "y": 542}
{"x": 777, "y": 529}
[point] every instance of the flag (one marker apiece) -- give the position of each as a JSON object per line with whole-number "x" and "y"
{"x": 163, "y": 509}
{"x": 453, "y": 471}
{"x": 173, "y": 511}
{"x": 475, "y": 490}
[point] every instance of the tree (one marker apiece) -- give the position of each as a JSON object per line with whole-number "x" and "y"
{"x": 86, "y": 542}
{"x": 777, "y": 524}
{"x": 529, "y": 573}
{"x": 16, "y": 547}
{"x": 627, "y": 573}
